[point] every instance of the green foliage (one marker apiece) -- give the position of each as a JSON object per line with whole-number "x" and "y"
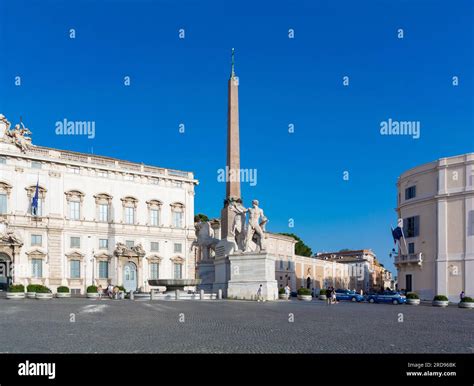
{"x": 16, "y": 288}
{"x": 91, "y": 289}
{"x": 412, "y": 295}
{"x": 304, "y": 291}
{"x": 201, "y": 217}
{"x": 63, "y": 289}
{"x": 281, "y": 291}
{"x": 440, "y": 298}
{"x": 323, "y": 291}
{"x": 31, "y": 288}
{"x": 121, "y": 288}
{"x": 41, "y": 289}
{"x": 301, "y": 248}
{"x": 467, "y": 299}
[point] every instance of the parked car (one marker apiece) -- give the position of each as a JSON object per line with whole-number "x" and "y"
{"x": 342, "y": 294}
{"x": 393, "y": 297}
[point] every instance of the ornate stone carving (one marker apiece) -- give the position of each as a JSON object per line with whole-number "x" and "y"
{"x": 10, "y": 237}
{"x": 19, "y": 135}
{"x": 122, "y": 250}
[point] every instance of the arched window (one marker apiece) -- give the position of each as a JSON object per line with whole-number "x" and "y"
{"x": 154, "y": 212}
{"x": 177, "y": 215}
{"x": 30, "y": 192}
{"x": 103, "y": 203}
{"x": 5, "y": 190}
{"x": 74, "y": 200}
{"x": 129, "y": 209}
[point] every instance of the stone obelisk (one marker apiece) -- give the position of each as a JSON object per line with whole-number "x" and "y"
{"x": 233, "y": 154}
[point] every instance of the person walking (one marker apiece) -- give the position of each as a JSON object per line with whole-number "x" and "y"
{"x": 259, "y": 294}
{"x": 328, "y": 296}
{"x": 333, "y": 296}
{"x": 100, "y": 291}
{"x": 287, "y": 291}
{"x": 462, "y": 295}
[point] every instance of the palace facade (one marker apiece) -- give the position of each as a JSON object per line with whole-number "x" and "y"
{"x": 98, "y": 219}
{"x": 436, "y": 203}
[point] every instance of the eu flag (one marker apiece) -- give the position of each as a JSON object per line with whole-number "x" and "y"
{"x": 34, "y": 203}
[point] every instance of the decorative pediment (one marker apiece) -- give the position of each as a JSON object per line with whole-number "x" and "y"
{"x": 103, "y": 198}
{"x": 5, "y": 188}
{"x": 122, "y": 250}
{"x": 129, "y": 201}
{"x": 74, "y": 195}
{"x": 154, "y": 258}
{"x": 177, "y": 206}
{"x": 30, "y": 191}
{"x": 177, "y": 260}
{"x": 75, "y": 255}
{"x": 36, "y": 253}
{"x": 154, "y": 204}
{"x": 103, "y": 256}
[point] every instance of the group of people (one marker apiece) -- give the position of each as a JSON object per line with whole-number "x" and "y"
{"x": 111, "y": 291}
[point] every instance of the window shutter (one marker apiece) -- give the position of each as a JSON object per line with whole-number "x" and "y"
{"x": 417, "y": 226}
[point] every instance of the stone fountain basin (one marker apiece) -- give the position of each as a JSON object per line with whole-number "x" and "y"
{"x": 174, "y": 284}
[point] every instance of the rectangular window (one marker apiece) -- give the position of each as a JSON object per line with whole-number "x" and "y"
{"x": 74, "y": 210}
{"x": 36, "y": 165}
{"x": 129, "y": 215}
{"x": 103, "y": 243}
{"x": 129, "y": 243}
{"x": 410, "y": 192}
{"x": 155, "y": 246}
{"x": 289, "y": 265}
{"x": 128, "y": 177}
{"x": 178, "y": 270}
{"x": 411, "y": 226}
{"x": 36, "y": 240}
{"x": 411, "y": 248}
{"x": 3, "y": 160}
{"x": 104, "y": 212}
{"x": 178, "y": 248}
{"x": 3, "y": 203}
{"x": 178, "y": 219}
{"x": 281, "y": 264}
{"x": 37, "y": 267}
{"x": 103, "y": 269}
{"x": 154, "y": 271}
{"x": 75, "y": 242}
{"x": 75, "y": 266}
{"x": 154, "y": 217}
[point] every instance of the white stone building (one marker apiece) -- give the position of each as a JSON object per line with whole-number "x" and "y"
{"x": 98, "y": 218}
{"x": 436, "y": 203}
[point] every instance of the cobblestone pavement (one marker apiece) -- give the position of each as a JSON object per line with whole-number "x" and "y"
{"x": 83, "y": 325}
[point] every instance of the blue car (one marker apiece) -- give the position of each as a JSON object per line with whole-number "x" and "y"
{"x": 342, "y": 294}
{"x": 387, "y": 297}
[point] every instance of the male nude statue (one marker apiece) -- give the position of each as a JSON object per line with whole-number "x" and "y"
{"x": 256, "y": 227}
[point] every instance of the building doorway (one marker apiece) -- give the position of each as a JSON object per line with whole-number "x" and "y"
{"x": 130, "y": 276}
{"x": 408, "y": 283}
{"x": 5, "y": 272}
{"x": 308, "y": 282}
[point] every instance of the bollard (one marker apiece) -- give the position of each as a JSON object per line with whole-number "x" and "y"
{"x": 131, "y": 295}
{"x": 152, "y": 295}
{"x": 202, "y": 294}
{"x": 219, "y": 294}
{"x": 176, "y": 292}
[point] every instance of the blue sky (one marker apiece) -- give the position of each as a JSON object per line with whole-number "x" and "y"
{"x": 184, "y": 81}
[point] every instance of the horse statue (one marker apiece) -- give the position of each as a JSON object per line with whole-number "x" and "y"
{"x": 205, "y": 239}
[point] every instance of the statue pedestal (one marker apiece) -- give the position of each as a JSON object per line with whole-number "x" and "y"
{"x": 248, "y": 271}
{"x": 206, "y": 272}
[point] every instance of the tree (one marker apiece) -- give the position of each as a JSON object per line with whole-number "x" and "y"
{"x": 344, "y": 250}
{"x": 201, "y": 217}
{"x": 301, "y": 248}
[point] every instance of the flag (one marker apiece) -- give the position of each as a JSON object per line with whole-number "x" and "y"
{"x": 34, "y": 203}
{"x": 397, "y": 234}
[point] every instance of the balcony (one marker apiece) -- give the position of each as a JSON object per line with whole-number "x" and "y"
{"x": 415, "y": 258}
